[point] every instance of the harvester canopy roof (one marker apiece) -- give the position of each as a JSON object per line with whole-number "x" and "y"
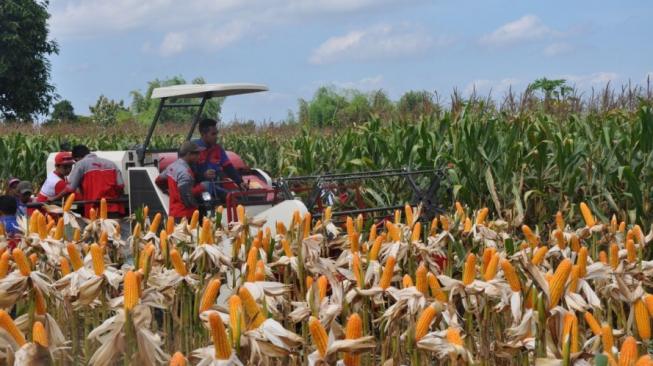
{"x": 208, "y": 90}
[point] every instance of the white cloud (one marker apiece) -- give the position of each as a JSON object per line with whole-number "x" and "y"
{"x": 594, "y": 79}
{"x": 524, "y": 29}
{"x": 374, "y": 43}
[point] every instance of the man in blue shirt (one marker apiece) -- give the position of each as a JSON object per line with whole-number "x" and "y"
{"x": 214, "y": 162}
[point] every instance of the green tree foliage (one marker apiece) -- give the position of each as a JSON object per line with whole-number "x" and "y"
{"x": 108, "y": 111}
{"x": 415, "y": 104}
{"x": 63, "y": 111}
{"x": 143, "y": 107}
{"x": 25, "y": 89}
{"x": 556, "y": 88}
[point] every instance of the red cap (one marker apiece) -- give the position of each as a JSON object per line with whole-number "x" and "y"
{"x": 64, "y": 158}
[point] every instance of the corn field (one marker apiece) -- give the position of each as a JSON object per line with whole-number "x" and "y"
{"x": 465, "y": 288}
{"x": 522, "y": 165}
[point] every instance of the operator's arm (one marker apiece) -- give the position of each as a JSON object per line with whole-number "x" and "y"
{"x": 228, "y": 167}
{"x": 185, "y": 186}
{"x": 75, "y": 176}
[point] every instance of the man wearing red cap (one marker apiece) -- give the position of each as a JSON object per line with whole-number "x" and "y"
{"x": 54, "y": 187}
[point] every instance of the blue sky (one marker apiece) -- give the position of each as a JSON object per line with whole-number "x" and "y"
{"x": 295, "y": 46}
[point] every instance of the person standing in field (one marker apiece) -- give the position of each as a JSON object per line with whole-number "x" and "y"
{"x": 96, "y": 178}
{"x": 213, "y": 161}
{"x": 54, "y": 187}
{"x": 179, "y": 179}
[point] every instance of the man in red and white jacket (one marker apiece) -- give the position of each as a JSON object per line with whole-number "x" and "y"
{"x": 96, "y": 178}
{"x": 179, "y": 179}
{"x": 54, "y": 187}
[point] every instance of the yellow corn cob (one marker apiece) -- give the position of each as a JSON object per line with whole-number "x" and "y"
{"x": 205, "y": 232}
{"x": 408, "y": 212}
{"x": 630, "y": 235}
{"x": 170, "y": 225}
{"x": 75, "y": 257}
{"x": 492, "y": 267}
{"x": 645, "y": 360}
{"x": 575, "y": 338}
{"x": 103, "y": 209}
{"x": 488, "y": 253}
{"x": 538, "y": 256}
{"x": 376, "y": 247}
{"x": 434, "y": 227}
{"x": 587, "y": 215}
{"x": 131, "y": 289}
{"x": 560, "y": 238}
{"x": 642, "y": 320}
{"x": 359, "y": 223}
{"x": 614, "y": 225}
{"x": 64, "y": 266}
{"x": 469, "y": 271}
{"x": 424, "y": 321}
{"x": 39, "y": 334}
{"x": 531, "y": 298}
{"x": 104, "y": 238}
{"x": 154, "y": 226}
{"x": 436, "y": 290}
{"x": 256, "y": 243}
{"x": 353, "y": 242}
{"x": 327, "y": 214}
{"x": 567, "y": 324}
{"x": 628, "y": 353}
{"x": 445, "y": 223}
{"x": 614, "y": 255}
{"x": 21, "y": 262}
{"x": 648, "y": 300}
{"x": 357, "y": 270}
{"x": 146, "y": 211}
{"x": 632, "y": 252}
{"x": 511, "y": 275}
{"x": 349, "y": 225}
{"x": 388, "y": 271}
{"x": 393, "y": 231}
{"x": 575, "y": 242}
{"x": 322, "y": 284}
{"x": 373, "y": 233}
{"x": 58, "y": 233}
{"x": 252, "y": 257}
{"x": 42, "y": 227}
{"x": 260, "y": 271}
{"x": 92, "y": 214}
{"x": 252, "y": 310}
{"x": 638, "y": 234}
{"x": 558, "y": 281}
{"x": 9, "y": 326}
{"x": 353, "y": 330}
{"x": 421, "y": 280}
{"x": 582, "y": 261}
{"x": 286, "y": 248}
{"x": 406, "y": 281}
{"x": 34, "y": 222}
{"x": 4, "y": 264}
{"x": 219, "y": 335}
{"x": 309, "y": 282}
{"x": 530, "y": 236}
{"x": 453, "y": 336}
{"x": 467, "y": 225}
{"x": 146, "y": 255}
{"x": 482, "y": 215}
{"x": 416, "y": 234}
{"x": 267, "y": 238}
{"x": 194, "y": 220}
{"x": 68, "y": 204}
{"x": 573, "y": 278}
{"x": 397, "y": 217}
{"x": 611, "y": 360}
{"x": 178, "y": 263}
{"x": 163, "y": 242}
{"x": 460, "y": 211}
{"x": 296, "y": 219}
{"x": 139, "y": 280}
{"x": 603, "y": 257}
{"x": 592, "y": 323}
{"x": 33, "y": 258}
{"x": 319, "y": 335}
{"x": 281, "y": 228}
{"x": 210, "y": 294}
{"x": 40, "y": 306}
{"x": 178, "y": 359}
{"x": 235, "y": 318}
{"x": 240, "y": 213}
{"x": 98, "y": 259}
{"x": 607, "y": 338}
{"x": 560, "y": 222}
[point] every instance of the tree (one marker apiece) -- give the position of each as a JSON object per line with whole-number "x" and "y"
{"x": 108, "y": 111}
{"x": 414, "y": 104}
{"x": 63, "y": 111}
{"x": 557, "y": 88}
{"x": 143, "y": 107}
{"x": 25, "y": 89}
